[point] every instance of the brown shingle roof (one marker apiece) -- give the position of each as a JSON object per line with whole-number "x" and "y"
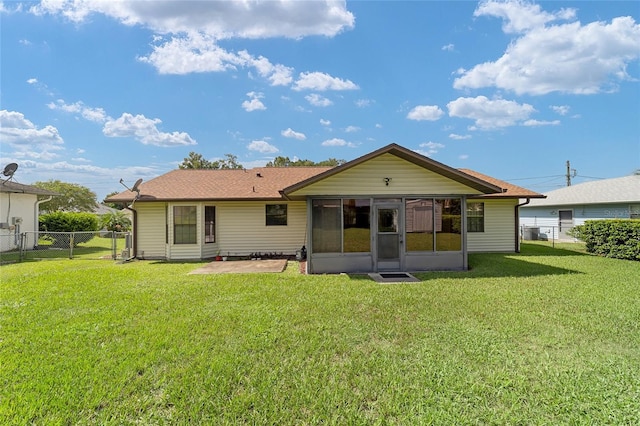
{"x": 508, "y": 190}
{"x": 262, "y": 183}
{"x": 19, "y": 188}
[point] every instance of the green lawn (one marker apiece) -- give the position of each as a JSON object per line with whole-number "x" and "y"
{"x": 543, "y": 337}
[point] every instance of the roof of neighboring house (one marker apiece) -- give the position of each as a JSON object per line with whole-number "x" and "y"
{"x": 19, "y": 188}
{"x": 262, "y": 183}
{"x": 617, "y": 190}
{"x": 271, "y": 183}
{"x": 508, "y": 190}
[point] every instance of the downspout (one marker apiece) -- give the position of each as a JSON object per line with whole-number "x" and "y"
{"x": 517, "y": 221}
{"x": 36, "y": 211}
{"x": 135, "y": 229}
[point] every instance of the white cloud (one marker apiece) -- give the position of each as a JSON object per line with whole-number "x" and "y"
{"x": 429, "y": 148}
{"x": 560, "y": 109}
{"x": 566, "y": 58}
{"x": 425, "y": 112}
{"x": 222, "y": 19}
{"x": 459, "y": 137}
{"x": 317, "y": 100}
{"x": 537, "y": 123}
{"x": 192, "y": 30}
{"x": 463, "y": 156}
{"x": 262, "y": 146}
{"x": 352, "y": 129}
{"x": 290, "y": 133}
{"x": 254, "y": 104}
{"x": 520, "y": 16}
{"x": 338, "y": 142}
{"x": 325, "y": 122}
{"x": 490, "y": 114}
{"x": 17, "y": 131}
{"x": 448, "y": 47}
{"x": 97, "y": 115}
{"x": 32, "y": 81}
{"x": 144, "y": 130}
{"x": 322, "y": 82}
{"x": 363, "y": 103}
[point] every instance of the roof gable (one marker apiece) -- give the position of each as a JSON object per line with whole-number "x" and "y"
{"x": 455, "y": 175}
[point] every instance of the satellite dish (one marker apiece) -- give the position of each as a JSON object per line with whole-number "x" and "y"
{"x": 136, "y": 185}
{"x": 10, "y": 169}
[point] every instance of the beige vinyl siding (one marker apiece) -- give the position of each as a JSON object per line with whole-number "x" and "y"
{"x": 499, "y": 228}
{"x": 150, "y": 232}
{"x": 368, "y": 179}
{"x": 241, "y": 228}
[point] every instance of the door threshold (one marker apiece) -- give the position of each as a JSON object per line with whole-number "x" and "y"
{"x": 393, "y": 277}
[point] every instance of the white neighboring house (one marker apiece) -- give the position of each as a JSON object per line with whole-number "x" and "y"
{"x": 564, "y": 208}
{"x": 19, "y": 211}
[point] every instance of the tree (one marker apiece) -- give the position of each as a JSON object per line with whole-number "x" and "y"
{"x": 72, "y": 197}
{"x": 287, "y": 162}
{"x": 117, "y": 206}
{"x": 197, "y": 161}
{"x": 231, "y": 162}
{"x": 115, "y": 221}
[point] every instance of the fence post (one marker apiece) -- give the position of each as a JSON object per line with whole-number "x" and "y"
{"x": 22, "y": 251}
{"x": 71, "y": 242}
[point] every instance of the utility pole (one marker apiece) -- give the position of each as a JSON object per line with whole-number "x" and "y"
{"x": 570, "y": 173}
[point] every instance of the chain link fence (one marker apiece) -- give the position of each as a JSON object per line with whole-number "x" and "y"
{"x": 69, "y": 245}
{"x": 549, "y": 234}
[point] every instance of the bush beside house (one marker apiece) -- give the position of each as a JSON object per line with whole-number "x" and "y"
{"x": 60, "y": 221}
{"x": 618, "y": 239}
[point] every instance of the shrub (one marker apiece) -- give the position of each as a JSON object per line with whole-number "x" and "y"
{"x": 67, "y": 222}
{"x": 618, "y": 238}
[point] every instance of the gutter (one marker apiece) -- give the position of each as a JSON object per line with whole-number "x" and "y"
{"x": 135, "y": 229}
{"x": 517, "y": 223}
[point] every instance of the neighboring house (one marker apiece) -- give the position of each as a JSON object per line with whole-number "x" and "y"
{"x": 19, "y": 211}
{"x": 566, "y": 207}
{"x": 390, "y": 210}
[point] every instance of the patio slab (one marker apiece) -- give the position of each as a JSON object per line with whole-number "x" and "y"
{"x": 242, "y": 266}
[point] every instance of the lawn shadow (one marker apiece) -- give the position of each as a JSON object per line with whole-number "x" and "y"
{"x": 533, "y": 249}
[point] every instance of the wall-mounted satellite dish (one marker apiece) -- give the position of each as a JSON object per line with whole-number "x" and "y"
{"x": 9, "y": 171}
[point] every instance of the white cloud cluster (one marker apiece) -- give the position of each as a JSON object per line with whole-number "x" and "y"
{"x": 317, "y": 100}
{"x": 490, "y": 114}
{"x": 191, "y": 32}
{"x": 254, "y": 103}
{"x": 290, "y": 133}
{"x": 338, "y": 142}
{"x": 145, "y": 130}
{"x": 429, "y": 148}
{"x": 548, "y": 57}
{"x": 262, "y": 147}
{"x": 425, "y": 112}
{"x": 139, "y": 127}
{"x": 221, "y": 19}
{"x": 21, "y": 134}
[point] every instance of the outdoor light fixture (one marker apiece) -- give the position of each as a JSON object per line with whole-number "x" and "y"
{"x": 386, "y": 181}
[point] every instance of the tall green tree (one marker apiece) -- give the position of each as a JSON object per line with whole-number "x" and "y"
{"x": 280, "y": 161}
{"x": 197, "y": 161}
{"x": 72, "y": 198}
{"x": 229, "y": 162}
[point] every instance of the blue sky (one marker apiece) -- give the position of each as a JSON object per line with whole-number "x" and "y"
{"x": 95, "y": 91}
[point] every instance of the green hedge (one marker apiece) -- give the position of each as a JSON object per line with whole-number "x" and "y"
{"x": 68, "y": 222}
{"x": 618, "y": 238}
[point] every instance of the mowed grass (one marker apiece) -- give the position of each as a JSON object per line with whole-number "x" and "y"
{"x": 542, "y": 337}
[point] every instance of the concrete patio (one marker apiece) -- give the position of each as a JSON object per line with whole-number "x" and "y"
{"x": 242, "y": 266}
